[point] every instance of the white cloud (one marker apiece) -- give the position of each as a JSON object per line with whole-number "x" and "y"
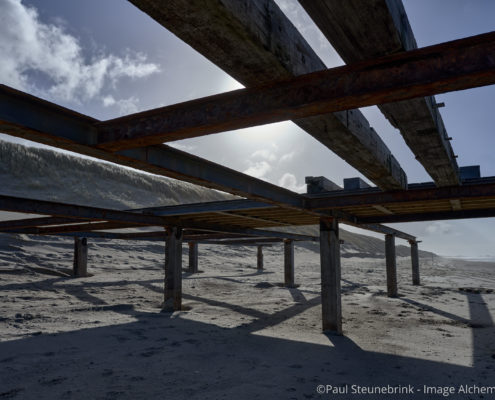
{"x": 258, "y": 169}
{"x": 125, "y": 106}
{"x": 287, "y": 157}
{"x": 44, "y": 59}
{"x": 439, "y": 227}
{"x": 289, "y": 181}
{"x": 128, "y": 106}
{"x": 108, "y": 101}
{"x": 264, "y": 154}
{"x": 181, "y": 146}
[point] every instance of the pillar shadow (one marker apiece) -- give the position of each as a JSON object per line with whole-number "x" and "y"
{"x": 165, "y": 353}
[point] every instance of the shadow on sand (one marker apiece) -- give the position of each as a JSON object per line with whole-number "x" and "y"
{"x": 168, "y": 356}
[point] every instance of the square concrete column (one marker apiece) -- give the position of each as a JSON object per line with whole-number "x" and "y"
{"x": 331, "y": 303}
{"x": 415, "y": 262}
{"x": 193, "y": 257}
{"x": 289, "y": 263}
{"x": 390, "y": 261}
{"x": 80, "y": 266}
{"x": 173, "y": 270}
{"x": 259, "y": 258}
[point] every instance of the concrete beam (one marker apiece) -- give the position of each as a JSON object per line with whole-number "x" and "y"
{"x": 331, "y": 302}
{"x": 80, "y": 266}
{"x": 173, "y": 270}
{"x": 415, "y": 263}
{"x": 289, "y": 280}
{"x": 355, "y": 184}
{"x": 391, "y": 264}
{"x": 259, "y": 258}
{"x": 320, "y": 184}
{"x": 193, "y": 257}
{"x": 255, "y": 43}
{"x": 360, "y": 30}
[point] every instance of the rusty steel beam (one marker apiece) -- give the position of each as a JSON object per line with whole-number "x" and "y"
{"x": 17, "y": 204}
{"x": 246, "y": 242}
{"x": 173, "y": 210}
{"x": 182, "y": 210}
{"x": 111, "y": 235}
{"x": 206, "y": 207}
{"x": 22, "y": 205}
{"x": 386, "y": 230}
{"x": 165, "y": 160}
{"x": 23, "y": 115}
{"x": 97, "y": 226}
{"x": 35, "y": 222}
{"x": 456, "y": 65}
{"x": 428, "y": 193}
{"x": 28, "y": 117}
{"x": 431, "y": 216}
{"x": 152, "y": 235}
{"x": 206, "y": 235}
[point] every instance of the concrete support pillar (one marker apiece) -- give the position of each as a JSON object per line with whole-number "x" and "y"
{"x": 173, "y": 270}
{"x": 415, "y": 262}
{"x": 193, "y": 257}
{"x": 80, "y": 267}
{"x": 260, "y": 258}
{"x": 391, "y": 265}
{"x": 289, "y": 263}
{"x": 331, "y": 304}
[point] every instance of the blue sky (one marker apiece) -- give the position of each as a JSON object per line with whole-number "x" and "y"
{"x": 107, "y": 58}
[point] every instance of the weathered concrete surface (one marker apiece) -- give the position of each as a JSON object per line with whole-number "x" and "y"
{"x": 172, "y": 299}
{"x": 289, "y": 280}
{"x": 391, "y": 264}
{"x": 415, "y": 263}
{"x": 80, "y": 266}
{"x": 331, "y": 300}
{"x": 259, "y": 258}
{"x": 193, "y": 257}
{"x": 360, "y": 30}
{"x": 254, "y": 42}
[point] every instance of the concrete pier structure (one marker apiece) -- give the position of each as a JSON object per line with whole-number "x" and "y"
{"x": 331, "y": 304}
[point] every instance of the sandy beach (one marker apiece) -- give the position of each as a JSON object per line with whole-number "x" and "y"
{"x": 241, "y": 334}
